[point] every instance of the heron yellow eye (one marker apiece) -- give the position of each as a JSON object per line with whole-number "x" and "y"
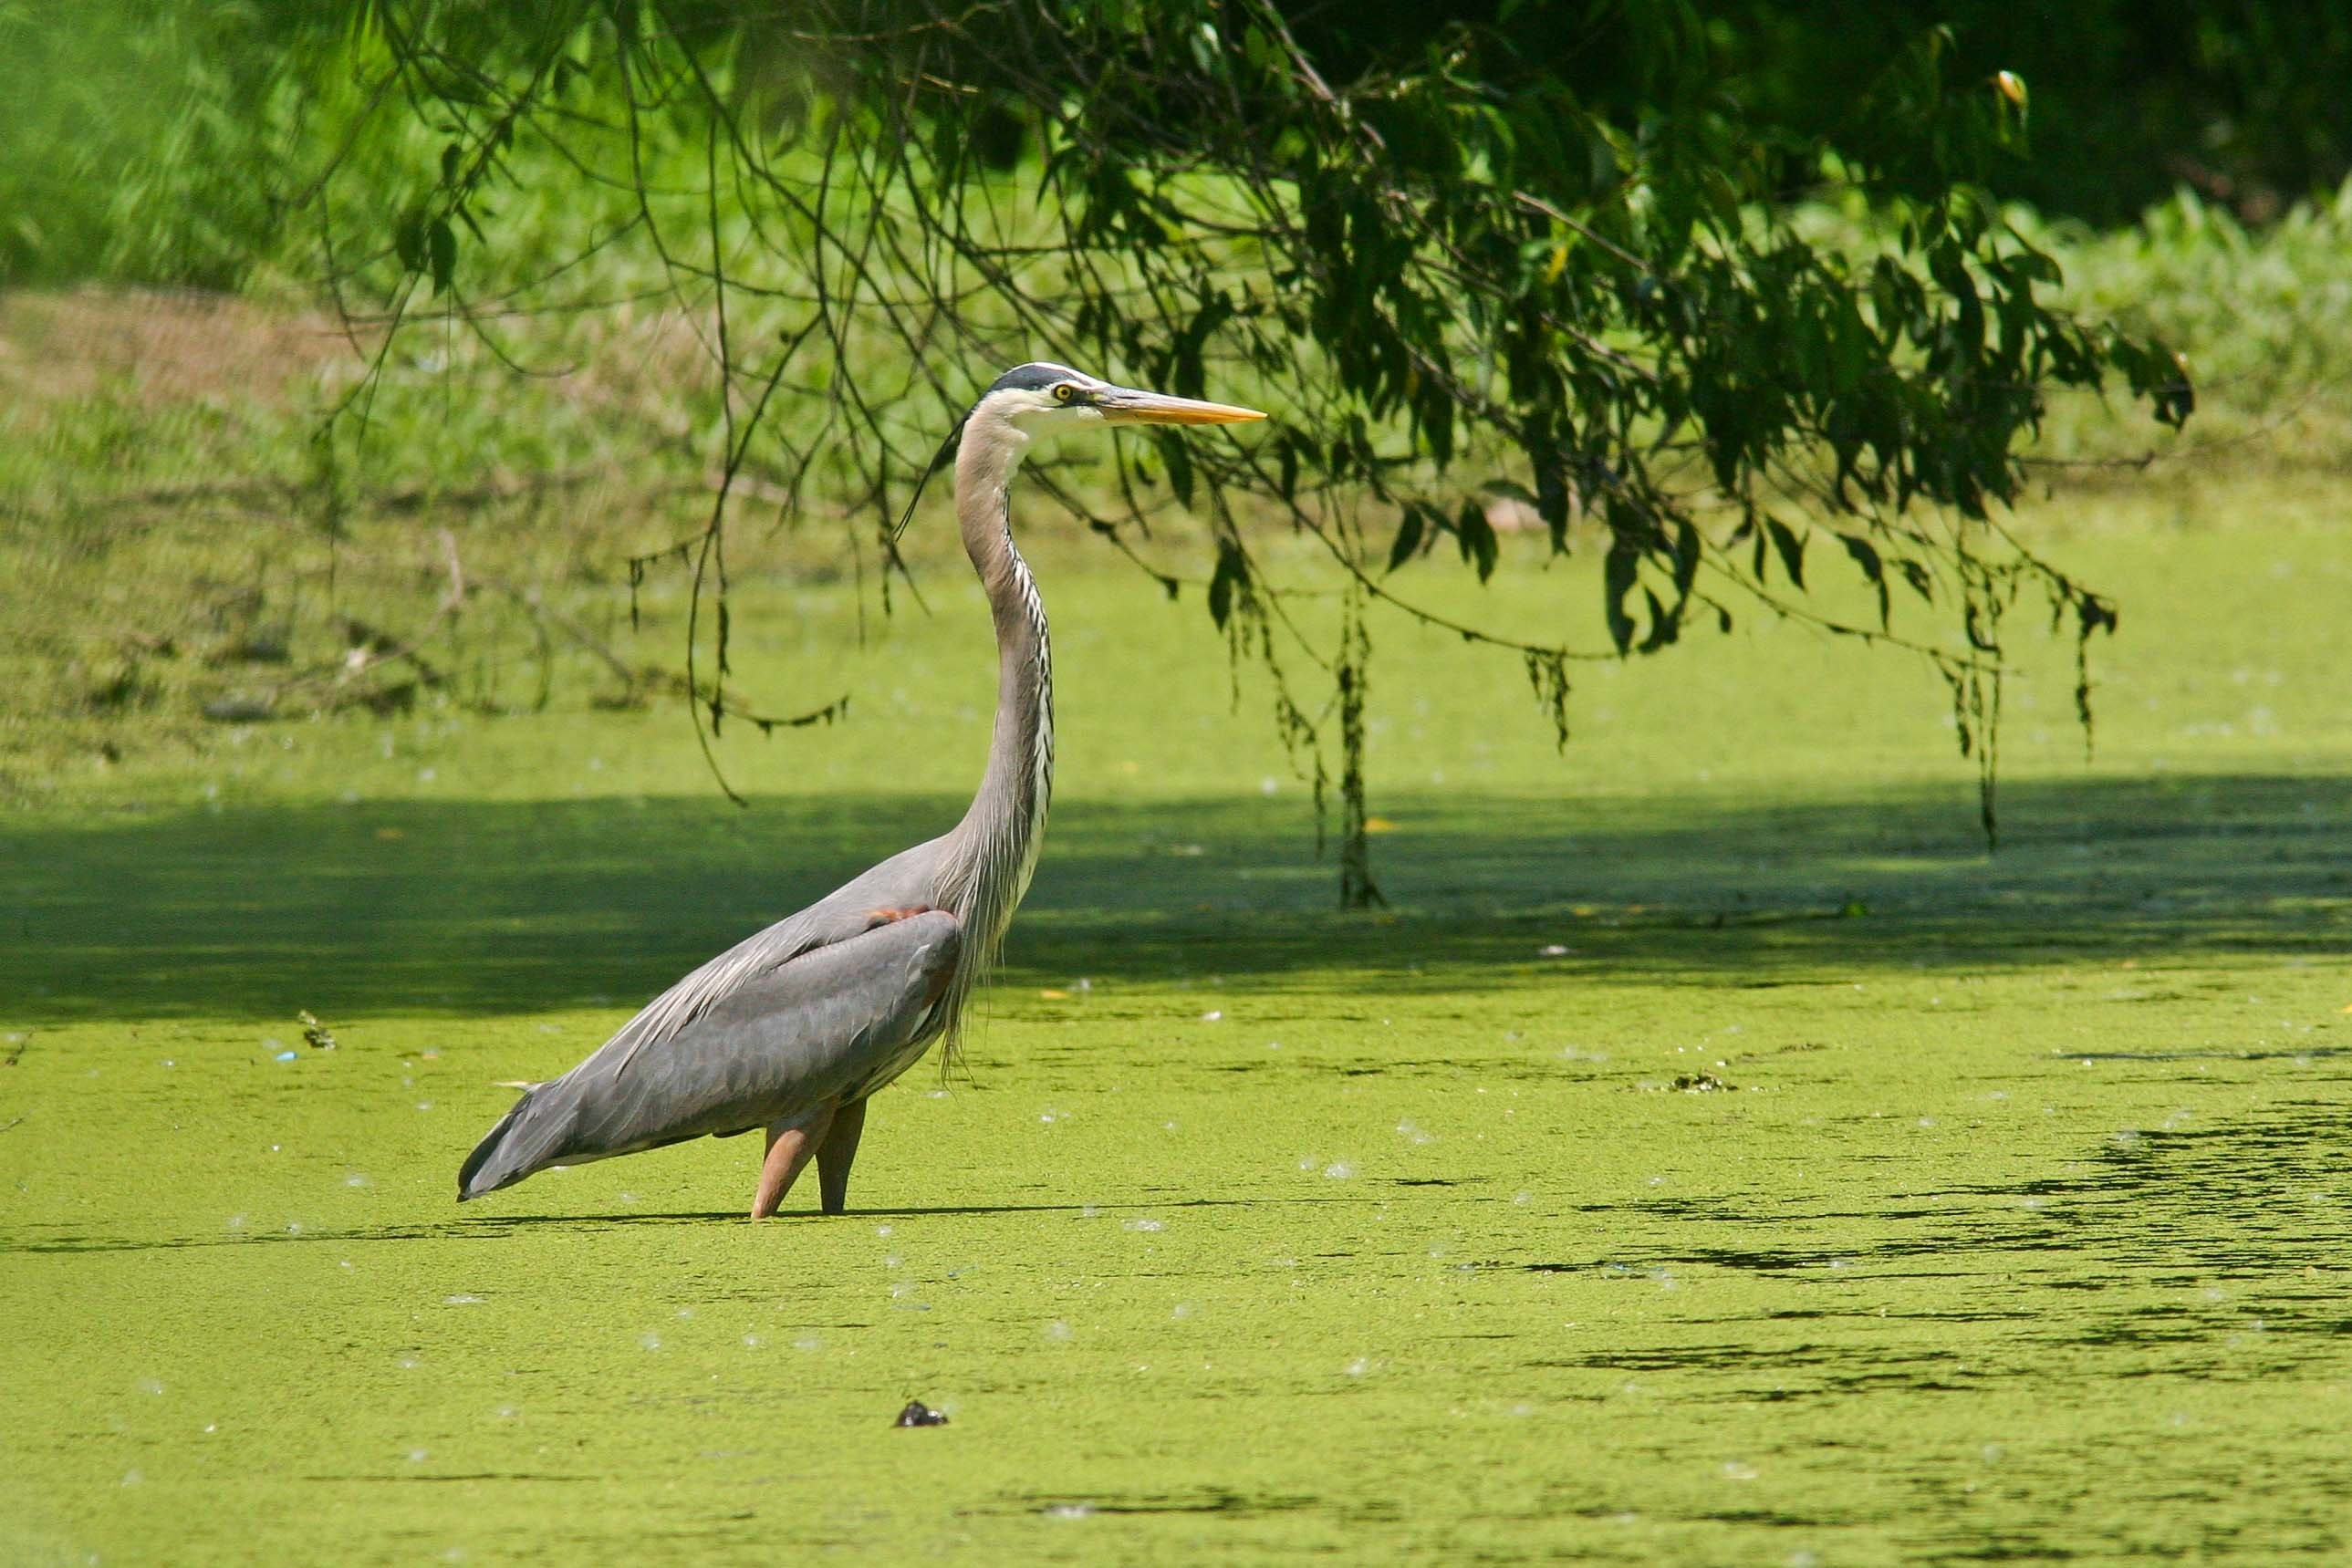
{"x": 1064, "y": 391}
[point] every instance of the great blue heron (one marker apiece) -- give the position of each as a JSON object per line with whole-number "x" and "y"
{"x": 791, "y": 1029}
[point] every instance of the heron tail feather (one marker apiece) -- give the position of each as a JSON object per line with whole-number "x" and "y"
{"x": 525, "y": 1139}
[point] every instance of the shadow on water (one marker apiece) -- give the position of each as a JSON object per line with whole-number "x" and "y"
{"x": 493, "y": 1227}
{"x": 2192, "y": 1214}
{"x": 473, "y": 907}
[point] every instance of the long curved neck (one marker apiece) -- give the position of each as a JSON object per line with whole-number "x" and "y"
{"x": 997, "y": 840}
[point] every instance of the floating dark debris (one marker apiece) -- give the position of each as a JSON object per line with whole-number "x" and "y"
{"x": 1700, "y": 1083}
{"x": 918, "y": 1414}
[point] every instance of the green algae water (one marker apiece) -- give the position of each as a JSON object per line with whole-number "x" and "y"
{"x": 1715, "y": 1157}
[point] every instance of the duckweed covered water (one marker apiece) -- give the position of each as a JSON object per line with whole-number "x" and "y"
{"x": 1735, "y": 1168}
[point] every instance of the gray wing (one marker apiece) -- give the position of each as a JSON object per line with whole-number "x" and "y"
{"x": 828, "y": 1023}
{"x": 905, "y": 879}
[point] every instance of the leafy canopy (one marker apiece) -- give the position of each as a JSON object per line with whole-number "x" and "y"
{"x": 1471, "y": 290}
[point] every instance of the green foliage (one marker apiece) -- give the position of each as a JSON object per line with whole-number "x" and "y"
{"x": 2265, "y": 314}
{"x": 2242, "y": 99}
{"x": 1453, "y": 265}
{"x": 1478, "y": 278}
{"x": 143, "y": 143}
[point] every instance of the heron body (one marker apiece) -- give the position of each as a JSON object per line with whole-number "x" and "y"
{"x": 794, "y": 1027}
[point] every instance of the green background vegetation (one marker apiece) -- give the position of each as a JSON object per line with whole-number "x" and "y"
{"x": 1713, "y": 1154}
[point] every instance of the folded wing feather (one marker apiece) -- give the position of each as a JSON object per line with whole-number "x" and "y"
{"x": 848, "y": 911}
{"x": 832, "y": 1023}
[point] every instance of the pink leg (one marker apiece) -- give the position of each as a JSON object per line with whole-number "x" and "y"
{"x": 834, "y": 1154}
{"x": 790, "y": 1148}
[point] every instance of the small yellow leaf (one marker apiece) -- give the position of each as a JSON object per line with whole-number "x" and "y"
{"x": 2347, "y": 1007}
{"x": 1378, "y": 825}
{"x": 1052, "y": 995}
{"x": 391, "y": 832}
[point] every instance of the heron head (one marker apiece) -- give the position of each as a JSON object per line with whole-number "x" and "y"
{"x": 1045, "y": 397}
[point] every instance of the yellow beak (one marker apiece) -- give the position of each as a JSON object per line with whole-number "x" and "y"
{"x": 1126, "y": 405}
